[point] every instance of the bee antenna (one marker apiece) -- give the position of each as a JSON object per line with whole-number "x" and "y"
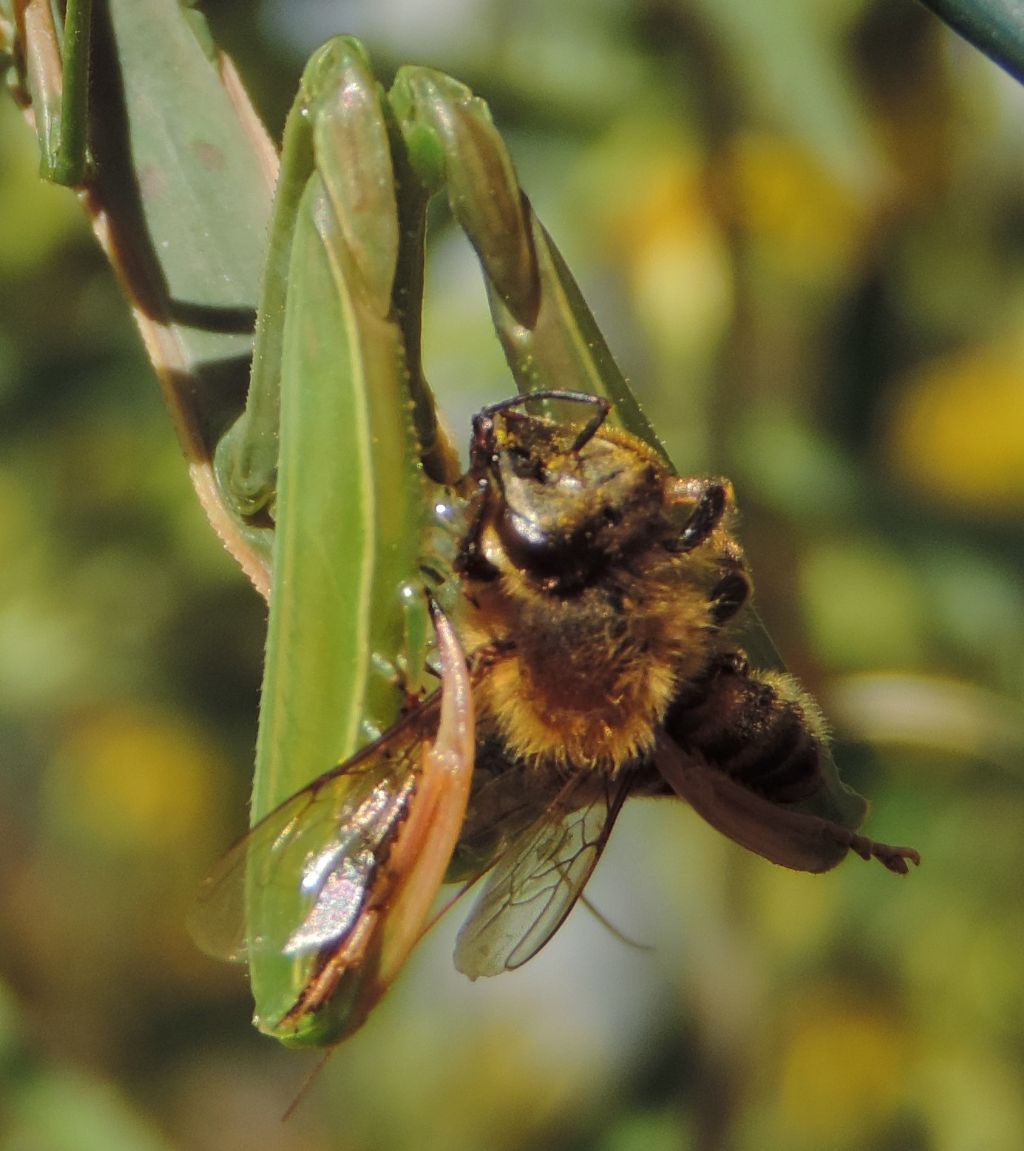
{"x": 482, "y": 446}
{"x": 594, "y": 425}
{"x": 547, "y": 394}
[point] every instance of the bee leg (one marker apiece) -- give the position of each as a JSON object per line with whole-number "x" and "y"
{"x": 705, "y": 517}
{"x": 775, "y": 831}
{"x": 896, "y": 859}
{"x": 730, "y": 593}
{"x": 471, "y": 561}
{"x": 490, "y": 654}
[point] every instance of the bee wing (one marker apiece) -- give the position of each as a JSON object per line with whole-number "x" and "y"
{"x": 317, "y": 852}
{"x": 538, "y": 878}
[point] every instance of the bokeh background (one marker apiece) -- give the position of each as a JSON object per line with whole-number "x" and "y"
{"x": 801, "y": 227}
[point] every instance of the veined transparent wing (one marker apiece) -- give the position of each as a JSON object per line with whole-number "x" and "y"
{"x": 320, "y": 850}
{"x": 539, "y": 876}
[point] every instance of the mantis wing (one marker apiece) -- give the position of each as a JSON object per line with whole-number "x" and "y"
{"x": 322, "y": 842}
{"x": 336, "y": 884}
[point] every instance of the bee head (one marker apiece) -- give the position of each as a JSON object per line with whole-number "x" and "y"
{"x": 561, "y": 504}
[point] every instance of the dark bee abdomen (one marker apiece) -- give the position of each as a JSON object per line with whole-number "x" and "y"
{"x": 756, "y": 727}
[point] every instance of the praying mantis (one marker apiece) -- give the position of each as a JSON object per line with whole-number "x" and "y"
{"x": 339, "y": 492}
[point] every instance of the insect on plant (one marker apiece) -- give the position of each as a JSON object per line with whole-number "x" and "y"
{"x": 581, "y": 603}
{"x": 594, "y": 590}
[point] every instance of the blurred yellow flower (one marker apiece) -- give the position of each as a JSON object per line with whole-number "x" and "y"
{"x": 956, "y": 432}
{"x": 843, "y": 1069}
{"x": 133, "y": 781}
{"x": 651, "y": 203}
{"x": 784, "y": 197}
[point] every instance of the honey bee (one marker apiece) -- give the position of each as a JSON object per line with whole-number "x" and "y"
{"x": 596, "y": 593}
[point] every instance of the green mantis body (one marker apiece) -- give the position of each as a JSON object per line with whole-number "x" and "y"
{"x": 335, "y": 467}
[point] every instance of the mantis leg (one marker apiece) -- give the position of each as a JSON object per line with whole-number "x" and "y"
{"x": 329, "y": 453}
{"x": 340, "y": 135}
{"x": 548, "y": 333}
{"x": 328, "y": 450}
{"x": 56, "y": 69}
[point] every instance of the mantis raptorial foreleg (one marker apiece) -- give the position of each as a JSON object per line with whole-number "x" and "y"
{"x": 547, "y": 331}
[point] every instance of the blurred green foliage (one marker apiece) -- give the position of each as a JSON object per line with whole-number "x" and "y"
{"x": 801, "y": 227}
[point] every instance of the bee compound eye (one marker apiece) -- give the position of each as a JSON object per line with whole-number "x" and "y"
{"x": 528, "y": 544}
{"x": 563, "y": 564}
